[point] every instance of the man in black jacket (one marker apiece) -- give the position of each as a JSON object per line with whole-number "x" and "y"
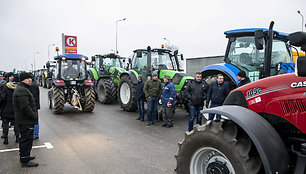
{"x": 140, "y": 98}
{"x": 196, "y": 93}
{"x": 26, "y": 117}
{"x": 217, "y": 92}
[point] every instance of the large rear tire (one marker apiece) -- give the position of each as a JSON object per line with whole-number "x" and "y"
{"x": 57, "y": 102}
{"x": 217, "y": 147}
{"x": 126, "y": 92}
{"x": 90, "y": 102}
{"x": 107, "y": 91}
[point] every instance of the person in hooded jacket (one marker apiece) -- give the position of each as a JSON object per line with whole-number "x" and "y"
{"x": 8, "y": 113}
{"x": 35, "y": 92}
{"x": 140, "y": 97}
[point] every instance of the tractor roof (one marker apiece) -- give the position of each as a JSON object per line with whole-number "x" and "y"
{"x": 111, "y": 55}
{"x": 71, "y": 56}
{"x": 154, "y": 50}
{"x": 250, "y": 32}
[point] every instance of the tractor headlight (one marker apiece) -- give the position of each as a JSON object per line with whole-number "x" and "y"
{"x": 83, "y": 58}
{"x": 64, "y": 58}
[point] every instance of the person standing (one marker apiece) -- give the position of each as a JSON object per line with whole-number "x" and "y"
{"x": 26, "y": 117}
{"x": 7, "y": 112}
{"x": 34, "y": 89}
{"x": 167, "y": 101}
{"x": 217, "y": 92}
{"x": 196, "y": 93}
{"x": 152, "y": 90}
{"x": 140, "y": 98}
{"x": 242, "y": 78}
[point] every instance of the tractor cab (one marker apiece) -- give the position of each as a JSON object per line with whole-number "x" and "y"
{"x": 243, "y": 53}
{"x": 104, "y": 62}
{"x": 145, "y": 61}
{"x": 71, "y": 68}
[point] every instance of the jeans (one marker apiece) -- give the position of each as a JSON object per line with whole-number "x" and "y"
{"x": 140, "y": 105}
{"x": 194, "y": 111}
{"x": 152, "y": 108}
{"x": 212, "y": 116}
{"x": 26, "y": 142}
{"x": 36, "y": 130}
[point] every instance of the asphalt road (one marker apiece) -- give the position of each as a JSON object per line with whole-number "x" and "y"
{"x": 106, "y": 141}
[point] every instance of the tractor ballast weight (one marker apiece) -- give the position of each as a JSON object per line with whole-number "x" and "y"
{"x": 252, "y": 50}
{"x": 145, "y": 62}
{"x": 262, "y": 130}
{"x": 71, "y": 83}
{"x": 106, "y": 74}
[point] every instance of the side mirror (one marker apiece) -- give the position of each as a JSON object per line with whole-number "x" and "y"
{"x": 300, "y": 66}
{"x": 182, "y": 57}
{"x": 139, "y": 54}
{"x": 298, "y": 39}
{"x": 149, "y": 49}
{"x": 259, "y": 39}
{"x": 93, "y": 58}
{"x": 48, "y": 65}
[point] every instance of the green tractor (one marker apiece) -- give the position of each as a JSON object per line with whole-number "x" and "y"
{"x": 106, "y": 73}
{"x": 146, "y": 61}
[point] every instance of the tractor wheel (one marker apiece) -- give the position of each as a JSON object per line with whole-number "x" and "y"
{"x": 107, "y": 91}
{"x": 126, "y": 92}
{"x": 57, "y": 101}
{"x": 217, "y": 147}
{"x": 90, "y": 102}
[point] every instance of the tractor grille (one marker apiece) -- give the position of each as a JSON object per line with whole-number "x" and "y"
{"x": 293, "y": 106}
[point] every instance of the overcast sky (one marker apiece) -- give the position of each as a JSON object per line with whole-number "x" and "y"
{"x": 196, "y": 27}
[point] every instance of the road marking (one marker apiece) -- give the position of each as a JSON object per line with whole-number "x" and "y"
{"x": 46, "y": 145}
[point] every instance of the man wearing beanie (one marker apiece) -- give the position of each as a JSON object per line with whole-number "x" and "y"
{"x": 152, "y": 90}
{"x": 26, "y": 117}
{"x": 167, "y": 101}
{"x": 241, "y": 76}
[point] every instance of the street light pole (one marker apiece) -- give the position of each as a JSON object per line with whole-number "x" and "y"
{"x": 302, "y": 19}
{"x": 49, "y": 50}
{"x": 34, "y": 58}
{"x": 117, "y": 32}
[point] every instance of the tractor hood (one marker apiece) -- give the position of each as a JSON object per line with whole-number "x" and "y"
{"x": 179, "y": 79}
{"x": 282, "y": 95}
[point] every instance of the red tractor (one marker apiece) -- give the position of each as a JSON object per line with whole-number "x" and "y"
{"x": 263, "y": 130}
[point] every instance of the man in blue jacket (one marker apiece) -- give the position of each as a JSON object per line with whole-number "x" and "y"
{"x": 167, "y": 101}
{"x": 140, "y": 98}
{"x": 217, "y": 92}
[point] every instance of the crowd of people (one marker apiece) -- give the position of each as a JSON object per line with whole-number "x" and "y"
{"x": 19, "y": 103}
{"x": 197, "y": 92}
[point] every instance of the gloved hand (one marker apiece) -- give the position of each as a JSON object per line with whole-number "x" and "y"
{"x": 169, "y": 104}
{"x": 160, "y": 101}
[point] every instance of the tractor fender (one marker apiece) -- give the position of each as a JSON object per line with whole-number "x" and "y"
{"x": 269, "y": 144}
{"x": 131, "y": 75}
{"x": 104, "y": 77}
{"x": 230, "y": 70}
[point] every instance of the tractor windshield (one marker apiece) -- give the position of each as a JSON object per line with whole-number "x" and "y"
{"x": 159, "y": 60}
{"x": 111, "y": 62}
{"x": 73, "y": 69}
{"x": 243, "y": 53}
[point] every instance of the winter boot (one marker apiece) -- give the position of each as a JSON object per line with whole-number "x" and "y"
{"x": 5, "y": 140}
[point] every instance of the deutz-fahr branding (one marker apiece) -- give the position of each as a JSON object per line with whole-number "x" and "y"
{"x": 298, "y": 84}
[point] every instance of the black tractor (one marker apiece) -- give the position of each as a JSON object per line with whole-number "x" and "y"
{"x": 71, "y": 83}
